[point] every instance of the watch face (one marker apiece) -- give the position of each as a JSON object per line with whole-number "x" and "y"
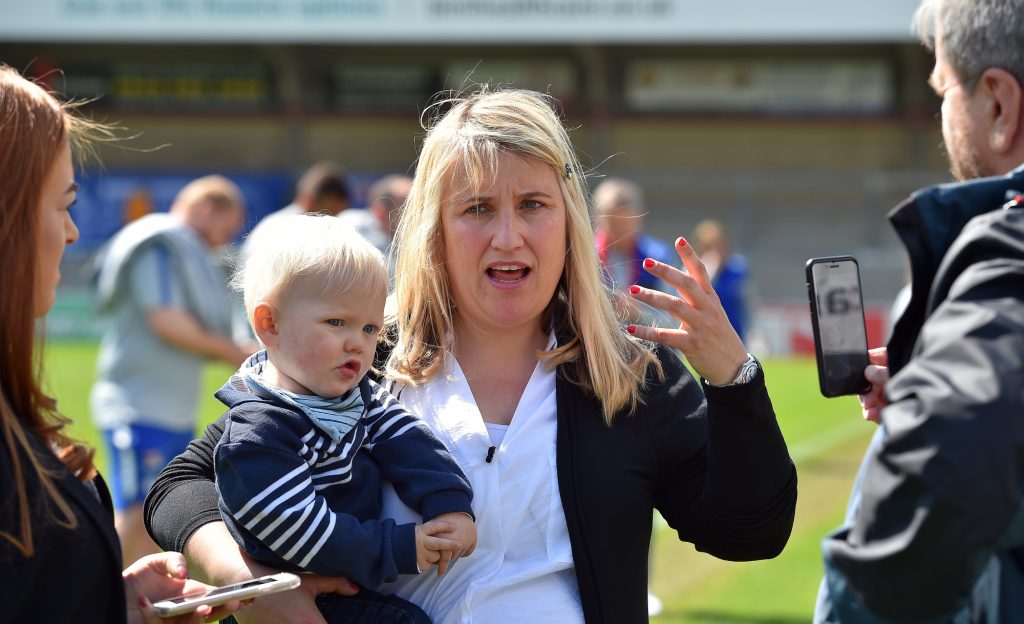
{"x": 748, "y": 372}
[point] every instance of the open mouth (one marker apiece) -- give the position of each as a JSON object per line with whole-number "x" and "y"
{"x": 508, "y": 273}
{"x": 350, "y": 368}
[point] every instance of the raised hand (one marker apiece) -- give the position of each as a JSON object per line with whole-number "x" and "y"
{"x": 705, "y": 336}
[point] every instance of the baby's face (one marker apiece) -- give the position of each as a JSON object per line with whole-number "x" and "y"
{"x": 325, "y": 340}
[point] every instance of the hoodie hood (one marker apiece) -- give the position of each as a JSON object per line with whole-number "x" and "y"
{"x": 335, "y": 416}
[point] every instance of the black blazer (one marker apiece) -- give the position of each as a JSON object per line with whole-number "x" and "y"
{"x": 718, "y": 470}
{"x": 73, "y": 575}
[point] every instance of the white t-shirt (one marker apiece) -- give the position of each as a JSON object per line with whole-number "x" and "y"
{"x": 522, "y": 569}
{"x": 363, "y": 222}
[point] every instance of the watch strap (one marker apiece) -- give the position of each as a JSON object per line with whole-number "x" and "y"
{"x": 748, "y": 370}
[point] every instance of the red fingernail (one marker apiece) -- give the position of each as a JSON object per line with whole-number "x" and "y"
{"x": 648, "y": 263}
{"x": 354, "y": 586}
{"x": 634, "y": 289}
{"x": 681, "y": 241}
{"x": 631, "y": 329}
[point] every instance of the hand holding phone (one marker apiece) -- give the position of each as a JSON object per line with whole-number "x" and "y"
{"x": 837, "y": 319}
{"x": 877, "y": 374}
{"x": 245, "y": 590}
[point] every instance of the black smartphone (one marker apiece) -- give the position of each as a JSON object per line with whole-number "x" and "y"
{"x": 837, "y": 318}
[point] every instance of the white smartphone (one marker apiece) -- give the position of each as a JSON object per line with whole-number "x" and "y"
{"x": 245, "y": 590}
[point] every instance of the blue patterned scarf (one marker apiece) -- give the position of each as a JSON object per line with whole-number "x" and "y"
{"x": 335, "y": 416}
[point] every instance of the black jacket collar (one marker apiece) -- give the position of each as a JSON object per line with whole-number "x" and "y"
{"x": 928, "y": 223}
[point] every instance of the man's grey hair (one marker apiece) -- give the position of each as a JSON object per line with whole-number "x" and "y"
{"x": 976, "y": 35}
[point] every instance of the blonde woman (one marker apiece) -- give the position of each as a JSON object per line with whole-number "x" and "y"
{"x": 571, "y": 428}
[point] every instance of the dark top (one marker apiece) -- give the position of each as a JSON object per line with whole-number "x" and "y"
{"x": 940, "y": 529}
{"x": 729, "y": 284}
{"x": 74, "y": 575}
{"x": 718, "y": 471}
{"x": 297, "y": 499}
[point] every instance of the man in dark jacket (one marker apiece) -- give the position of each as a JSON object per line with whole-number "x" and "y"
{"x": 936, "y": 531}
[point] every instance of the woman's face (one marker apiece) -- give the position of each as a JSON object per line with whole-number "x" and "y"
{"x": 505, "y": 243}
{"x": 55, "y": 229}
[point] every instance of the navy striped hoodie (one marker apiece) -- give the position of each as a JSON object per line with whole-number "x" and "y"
{"x": 296, "y": 500}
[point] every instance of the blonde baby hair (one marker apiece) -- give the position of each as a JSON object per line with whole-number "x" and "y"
{"x": 309, "y": 246}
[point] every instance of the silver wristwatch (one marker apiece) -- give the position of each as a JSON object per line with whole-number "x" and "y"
{"x": 748, "y": 370}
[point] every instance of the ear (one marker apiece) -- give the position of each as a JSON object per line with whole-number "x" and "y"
{"x": 264, "y": 323}
{"x": 380, "y": 211}
{"x": 1003, "y": 94}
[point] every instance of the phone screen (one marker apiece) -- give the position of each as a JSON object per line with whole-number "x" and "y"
{"x": 842, "y": 340}
{"x": 222, "y": 590}
{"x": 283, "y": 581}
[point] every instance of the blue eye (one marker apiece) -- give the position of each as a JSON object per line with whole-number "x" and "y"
{"x": 335, "y": 322}
{"x": 476, "y": 209}
{"x": 370, "y": 329}
{"x": 532, "y": 204}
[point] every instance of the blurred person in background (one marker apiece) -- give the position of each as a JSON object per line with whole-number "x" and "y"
{"x": 379, "y": 221}
{"x": 572, "y": 428}
{"x": 60, "y": 560}
{"x": 622, "y": 247}
{"x": 169, "y": 312}
{"x": 386, "y": 197}
{"x": 322, "y": 189}
{"x": 935, "y": 525}
{"x": 728, "y": 270}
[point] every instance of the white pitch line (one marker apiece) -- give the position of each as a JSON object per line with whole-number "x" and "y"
{"x": 815, "y": 446}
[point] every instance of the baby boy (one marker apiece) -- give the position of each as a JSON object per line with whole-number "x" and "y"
{"x": 310, "y": 437}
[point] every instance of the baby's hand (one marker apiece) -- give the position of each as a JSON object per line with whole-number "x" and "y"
{"x": 464, "y": 530}
{"x": 430, "y": 549}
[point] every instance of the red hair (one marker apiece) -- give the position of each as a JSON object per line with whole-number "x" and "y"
{"x": 33, "y": 128}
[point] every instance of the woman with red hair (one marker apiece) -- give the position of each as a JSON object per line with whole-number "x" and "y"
{"x": 60, "y": 560}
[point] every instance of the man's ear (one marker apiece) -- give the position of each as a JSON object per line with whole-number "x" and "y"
{"x": 1004, "y": 110}
{"x": 264, "y": 323}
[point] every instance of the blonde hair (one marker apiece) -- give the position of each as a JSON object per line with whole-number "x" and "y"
{"x": 308, "y": 246}
{"x": 596, "y": 355}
